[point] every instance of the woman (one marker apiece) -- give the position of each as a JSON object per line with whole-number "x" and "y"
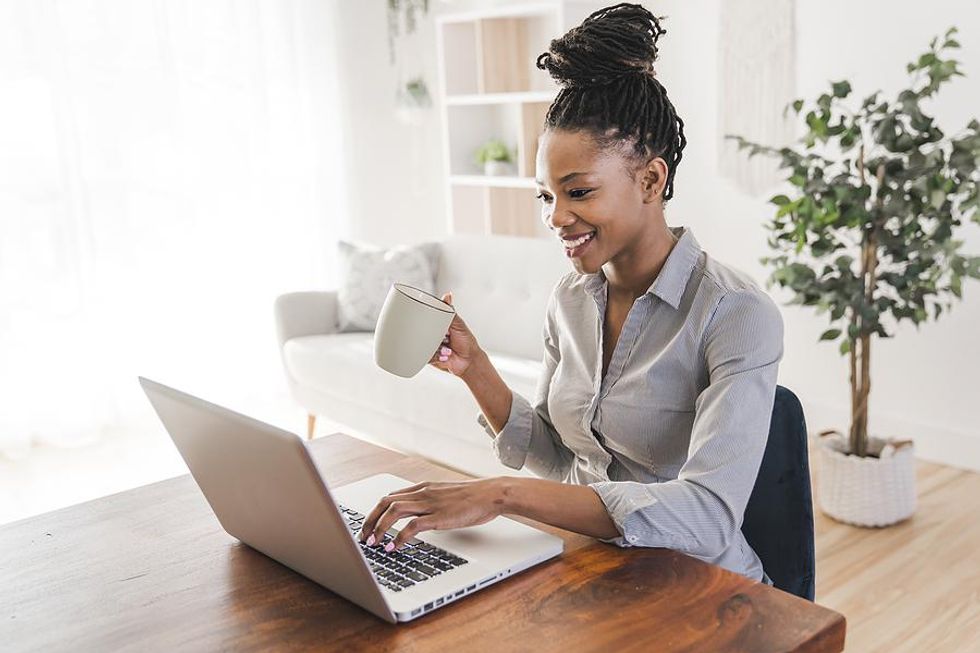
{"x": 652, "y": 413}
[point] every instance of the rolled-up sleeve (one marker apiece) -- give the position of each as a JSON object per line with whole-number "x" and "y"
{"x": 529, "y": 439}
{"x": 700, "y": 512}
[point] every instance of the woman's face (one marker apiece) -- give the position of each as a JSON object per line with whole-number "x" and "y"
{"x": 586, "y": 190}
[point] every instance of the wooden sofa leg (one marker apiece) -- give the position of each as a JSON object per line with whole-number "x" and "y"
{"x": 310, "y": 426}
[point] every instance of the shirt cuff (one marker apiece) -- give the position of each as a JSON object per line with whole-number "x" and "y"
{"x": 512, "y": 443}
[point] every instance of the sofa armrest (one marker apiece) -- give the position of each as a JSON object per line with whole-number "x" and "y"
{"x": 305, "y": 314}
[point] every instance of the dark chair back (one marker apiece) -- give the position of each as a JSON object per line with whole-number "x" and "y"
{"x": 778, "y": 521}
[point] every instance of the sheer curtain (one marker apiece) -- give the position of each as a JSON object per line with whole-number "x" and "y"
{"x": 166, "y": 169}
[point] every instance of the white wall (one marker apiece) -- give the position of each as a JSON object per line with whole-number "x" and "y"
{"x": 923, "y": 380}
{"x": 395, "y": 193}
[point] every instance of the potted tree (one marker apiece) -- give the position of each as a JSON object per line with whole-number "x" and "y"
{"x": 495, "y": 157}
{"x": 867, "y": 235}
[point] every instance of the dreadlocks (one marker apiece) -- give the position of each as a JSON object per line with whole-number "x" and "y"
{"x": 609, "y": 87}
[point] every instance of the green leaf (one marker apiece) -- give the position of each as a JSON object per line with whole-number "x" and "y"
{"x": 973, "y": 267}
{"x": 798, "y": 106}
{"x": 841, "y": 89}
{"x": 780, "y": 200}
{"x": 845, "y": 346}
{"x": 830, "y": 334}
{"x": 925, "y": 60}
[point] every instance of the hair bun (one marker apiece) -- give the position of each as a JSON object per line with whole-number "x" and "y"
{"x": 610, "y": 44}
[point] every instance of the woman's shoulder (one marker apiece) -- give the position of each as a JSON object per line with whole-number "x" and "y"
{"x": 569, "y": 296}
{"x": 738, "y": 301}
{"x": 567, "y": 283}
{"x": 726, "y": 278}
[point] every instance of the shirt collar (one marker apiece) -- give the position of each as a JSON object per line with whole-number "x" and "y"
{"x": 672, "y": 279}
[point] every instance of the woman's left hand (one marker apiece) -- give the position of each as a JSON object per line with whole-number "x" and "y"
{"x": 437, "y": 506}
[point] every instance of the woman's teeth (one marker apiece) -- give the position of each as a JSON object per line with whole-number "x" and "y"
{"x": 570, "y": 244}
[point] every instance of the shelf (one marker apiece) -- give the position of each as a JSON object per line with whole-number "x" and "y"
{"x": 517, "y": 125}
{"x": 496, "y": 53}
{"x": 502, "y": 210}
{"x": 489, "y": 180}
{"x": 500, "y": 98}
{"x": 490, "y": 88}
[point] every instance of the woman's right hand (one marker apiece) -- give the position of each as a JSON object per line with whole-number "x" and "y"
{"x": 459, "y": 348}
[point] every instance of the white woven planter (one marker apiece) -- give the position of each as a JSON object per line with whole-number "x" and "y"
{"x": 866, "y": 491}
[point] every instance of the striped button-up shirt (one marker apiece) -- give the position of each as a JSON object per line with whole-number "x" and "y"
{"x": 671, "y": 438}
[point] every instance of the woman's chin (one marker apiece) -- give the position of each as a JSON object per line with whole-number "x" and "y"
{"x": 585, "y": 266}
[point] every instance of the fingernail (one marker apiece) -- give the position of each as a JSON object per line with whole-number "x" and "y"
{"x": 445, "y": 351}
{"x": 370, "y": 540}
{"x": 389, "y": 547}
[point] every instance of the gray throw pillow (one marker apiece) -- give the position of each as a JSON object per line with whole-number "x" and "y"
{"x": 366, "y": 273}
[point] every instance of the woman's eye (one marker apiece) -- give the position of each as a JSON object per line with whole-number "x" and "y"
{"x": 543, "y": 197}
{"x": 580, "y": 192}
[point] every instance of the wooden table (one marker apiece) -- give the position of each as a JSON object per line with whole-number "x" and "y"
{"x": 151, "y": 569}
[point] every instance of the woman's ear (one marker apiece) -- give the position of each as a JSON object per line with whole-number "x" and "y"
{"x": 654, "y": 179}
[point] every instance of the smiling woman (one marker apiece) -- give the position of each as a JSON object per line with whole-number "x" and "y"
{"x": 652, "y": 433}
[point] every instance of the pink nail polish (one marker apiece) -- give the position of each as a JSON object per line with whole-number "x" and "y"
{"x": 370, "y": 540}
{"x": 389, "y": 547}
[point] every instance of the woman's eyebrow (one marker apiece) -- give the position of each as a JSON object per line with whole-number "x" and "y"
{"x": 567, "y": 177}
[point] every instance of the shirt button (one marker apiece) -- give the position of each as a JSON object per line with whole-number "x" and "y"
{"x": 631, "y": 538}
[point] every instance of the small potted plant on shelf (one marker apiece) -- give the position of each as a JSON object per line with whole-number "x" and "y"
{"x": 495, "y": 157}
{"x": 867, "y": 231}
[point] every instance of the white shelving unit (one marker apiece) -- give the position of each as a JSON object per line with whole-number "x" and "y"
{"x": 489, "y": 87}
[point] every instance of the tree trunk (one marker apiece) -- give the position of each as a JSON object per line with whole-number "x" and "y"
{"x": 861, "y": 375}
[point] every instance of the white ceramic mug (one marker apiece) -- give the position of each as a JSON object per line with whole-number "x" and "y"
{"x": 410, "y": 329}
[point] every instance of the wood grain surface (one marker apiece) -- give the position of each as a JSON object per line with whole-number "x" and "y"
{"x": 151, "y": 569}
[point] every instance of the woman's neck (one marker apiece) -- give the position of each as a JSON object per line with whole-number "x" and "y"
{"x": 631, "y": 273}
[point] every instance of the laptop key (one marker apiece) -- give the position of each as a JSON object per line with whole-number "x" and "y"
{"x": 416, "y": 576}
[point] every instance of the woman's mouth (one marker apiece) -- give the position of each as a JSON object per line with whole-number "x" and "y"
{"x": 575, "y": 248}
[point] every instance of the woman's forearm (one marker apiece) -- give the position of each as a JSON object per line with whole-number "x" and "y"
{"x": 489, "y": 390}
{"x": 572, "y": 507}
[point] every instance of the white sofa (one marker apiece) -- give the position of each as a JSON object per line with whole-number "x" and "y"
{"x": 500, "y": 285}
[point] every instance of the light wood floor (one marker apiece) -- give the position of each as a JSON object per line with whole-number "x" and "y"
{"x": 914, "y": 586}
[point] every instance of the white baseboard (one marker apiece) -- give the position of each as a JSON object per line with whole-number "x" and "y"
{"x": 935, "y": 444}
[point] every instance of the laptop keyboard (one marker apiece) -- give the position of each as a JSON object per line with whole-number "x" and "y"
{"x": 414, "y": 563}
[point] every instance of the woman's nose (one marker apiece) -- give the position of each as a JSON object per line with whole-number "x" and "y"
{"x": 557, "y": 219}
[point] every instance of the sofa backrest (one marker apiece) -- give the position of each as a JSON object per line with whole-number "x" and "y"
{"x": 501, "y": 286}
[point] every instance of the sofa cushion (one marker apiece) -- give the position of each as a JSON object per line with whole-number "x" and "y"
{"x": 342, "y": 365}
{"x": 501, "y": 286}
{"x": 366, "y": 273}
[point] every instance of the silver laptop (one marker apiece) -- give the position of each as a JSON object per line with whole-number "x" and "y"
{"x": 265, "y": 489}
